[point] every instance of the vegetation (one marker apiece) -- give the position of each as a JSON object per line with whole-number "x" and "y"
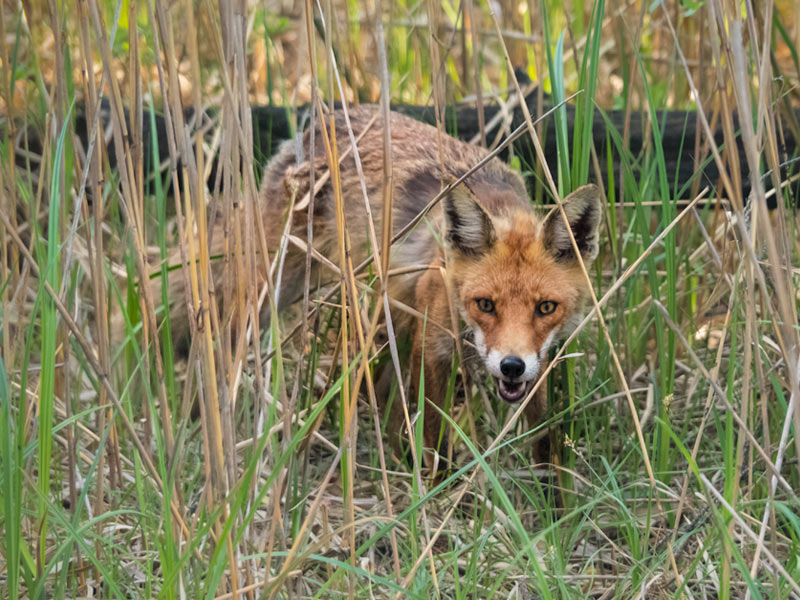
{"x": 252, "y": 465}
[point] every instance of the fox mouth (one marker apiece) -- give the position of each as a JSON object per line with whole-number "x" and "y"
{"x": 513, "y": 391}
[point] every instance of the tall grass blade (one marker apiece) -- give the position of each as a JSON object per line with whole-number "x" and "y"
{"x": 49, "y": 260}
{"x": 11, "y": 487}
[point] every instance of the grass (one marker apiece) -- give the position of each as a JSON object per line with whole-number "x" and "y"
{"x": 254, "y": 464}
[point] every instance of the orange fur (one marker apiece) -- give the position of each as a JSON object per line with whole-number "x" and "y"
{"x": 517, "y": 272}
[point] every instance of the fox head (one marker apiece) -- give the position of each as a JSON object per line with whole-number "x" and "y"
{"x": 517, "y": 278}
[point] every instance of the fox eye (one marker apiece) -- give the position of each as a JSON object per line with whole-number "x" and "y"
{"x": 485, "y": 305}
{"x": 546, "y": 307}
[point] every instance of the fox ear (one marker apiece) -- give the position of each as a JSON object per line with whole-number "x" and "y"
{"x": 583, "y": 210}
{"x": 468, "y": 228}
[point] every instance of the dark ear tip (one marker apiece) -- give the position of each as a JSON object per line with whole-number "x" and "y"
{"x": 468, "y": 227}
{"x": 586, "y": 200}
{"x": 590, "y": 192}
{"x": 583, "y": 209}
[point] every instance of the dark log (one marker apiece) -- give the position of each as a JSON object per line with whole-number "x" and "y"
{"x": 272, "y": 125}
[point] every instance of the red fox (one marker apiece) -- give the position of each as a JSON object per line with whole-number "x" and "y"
{"x": 513, "y": 275}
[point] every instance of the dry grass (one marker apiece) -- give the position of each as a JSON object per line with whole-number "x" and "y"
{"x": 252, "y": 464}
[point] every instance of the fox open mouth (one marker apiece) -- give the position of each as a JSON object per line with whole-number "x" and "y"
{"x": 513, "y": 391}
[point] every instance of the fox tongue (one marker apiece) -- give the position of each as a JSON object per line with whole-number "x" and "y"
{"x": 511, "y": 391}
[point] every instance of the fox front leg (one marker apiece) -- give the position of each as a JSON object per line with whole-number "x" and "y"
{"x": 535, "y": 413}
{"x": 431, "y": 376}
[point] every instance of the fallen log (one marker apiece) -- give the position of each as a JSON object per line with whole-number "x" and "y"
{"x": 686, "y": 170}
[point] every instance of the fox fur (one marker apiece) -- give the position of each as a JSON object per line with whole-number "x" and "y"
{"x": 510, "y": 274}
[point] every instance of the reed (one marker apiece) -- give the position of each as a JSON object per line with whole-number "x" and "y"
{"x": 253, "y": 463}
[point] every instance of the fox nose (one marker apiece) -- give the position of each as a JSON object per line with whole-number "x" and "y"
{"x": 512, "y": 366}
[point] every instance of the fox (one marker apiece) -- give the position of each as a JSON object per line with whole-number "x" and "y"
{"x": 510, "y": 274}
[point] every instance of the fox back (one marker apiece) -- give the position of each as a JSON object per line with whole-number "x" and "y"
{"x": 419, "y": 166}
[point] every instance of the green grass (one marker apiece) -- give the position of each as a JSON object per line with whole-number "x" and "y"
{"x": 270, "y": 495}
